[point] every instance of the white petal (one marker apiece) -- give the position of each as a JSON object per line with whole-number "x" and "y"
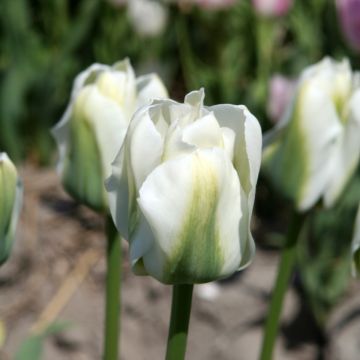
{"x": 150, "y": 87}
{"x": 139, "y": 155}
{"x": 229, "y": 137}
{"x": 174, "y": 144}
{"x": 142, "y": 241}
{"x": 129, "y": 87}
{"x": 196, "y": 101}
{"x": 60, "y": 133}
{"x": 113, "y": 85}
{"x": 204, "y": 133}
{"x": 181, "y": 114}
{"x": 247, "y": 160}
{"x": 247, "y": 152}
{"x": 87, "y": 77}
{"x": 61, "y": 130}
{"x": 108, "y": 121}
{"x": 320, "y": 126}
{"x": 121, "y": 193}
{"x": 192, "y": 204}
{"x": 346, "y": 157}
{"x": 195, "y": 98}
{"x": 145, "y": 146}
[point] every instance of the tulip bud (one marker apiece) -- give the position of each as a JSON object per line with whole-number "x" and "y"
{"x": 149, "y": 18}
{"x": 281, "y": 92}
{"x": 349, "y": 17}
{"x": 272, "y": 8}
{"x": 186, "y": 210}
{"x": 10, "y": 204}
{"x": 92, "y": 130}
{"x": 314, "y": 150}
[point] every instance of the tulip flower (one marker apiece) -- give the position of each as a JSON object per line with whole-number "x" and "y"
{"x": 186, "y": 210}
{"x": 94, "y": 125}
{"x": 149, "y": 18}
{"x": 314, "y": 150}
{"x": 10, "y": 204}
{"x": 281, "y": 92}
{"x": 356, "y": 245}
{"x": 272, "y": 8}
{"x": 349, "y": 17}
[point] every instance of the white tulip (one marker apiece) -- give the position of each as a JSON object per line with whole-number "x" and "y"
{"x": 94, "y": 125}
{"x": 10, "y": 205}
{"x": 148, "y": 17}
{"x": 315, "y": 149}
{"x": 183, "y": 186}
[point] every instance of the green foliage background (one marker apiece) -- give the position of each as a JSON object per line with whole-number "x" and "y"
{"x": 232, "y": 53}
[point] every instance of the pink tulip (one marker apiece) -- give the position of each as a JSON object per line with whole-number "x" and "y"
{"x": 281, "y": 91}
{"x": 349, "y": 16}
{"x": 272, "y": 8}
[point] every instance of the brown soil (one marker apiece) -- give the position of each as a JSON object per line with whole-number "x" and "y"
{"x": 58, "y": 265}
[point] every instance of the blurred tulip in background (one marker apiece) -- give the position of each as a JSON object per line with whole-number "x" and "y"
{"x": 272, "y": 8}
{"x": 349, "y": 17}
{"x": 93, "y": 127}
{"x": 315, "y": 149}
{"x": 148, "y": 17}
{"x": 281, "y": 92}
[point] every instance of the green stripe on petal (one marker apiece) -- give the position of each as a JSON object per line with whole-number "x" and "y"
{"x": 192, "y": 207}
{"x": 83, "y": 173}
{"x": 7, "y": 193}
{"x": 10, "y": 203}
{"x": 197, "y": 255}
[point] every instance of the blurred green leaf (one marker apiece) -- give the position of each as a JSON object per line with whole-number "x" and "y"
{"x": 32, "y": 347}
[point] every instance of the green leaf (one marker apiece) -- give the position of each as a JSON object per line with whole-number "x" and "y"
{"x": 32, "y": 347}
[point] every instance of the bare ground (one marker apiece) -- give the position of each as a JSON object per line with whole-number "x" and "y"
{"x": 57, "y": 272}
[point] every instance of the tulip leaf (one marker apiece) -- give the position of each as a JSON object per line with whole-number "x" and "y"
{"x": 32, "y": 347}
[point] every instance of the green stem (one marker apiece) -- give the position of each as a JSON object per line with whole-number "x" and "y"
{"x": 285, "y": 270}
{"x": 113, "y": 276}
{"x": 179, "y": 322}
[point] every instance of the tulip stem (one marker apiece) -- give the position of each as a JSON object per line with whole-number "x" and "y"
{"x": 113, "y": 276}
{"x": 285, "y": 270}
{"x": 179, "y": 322}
